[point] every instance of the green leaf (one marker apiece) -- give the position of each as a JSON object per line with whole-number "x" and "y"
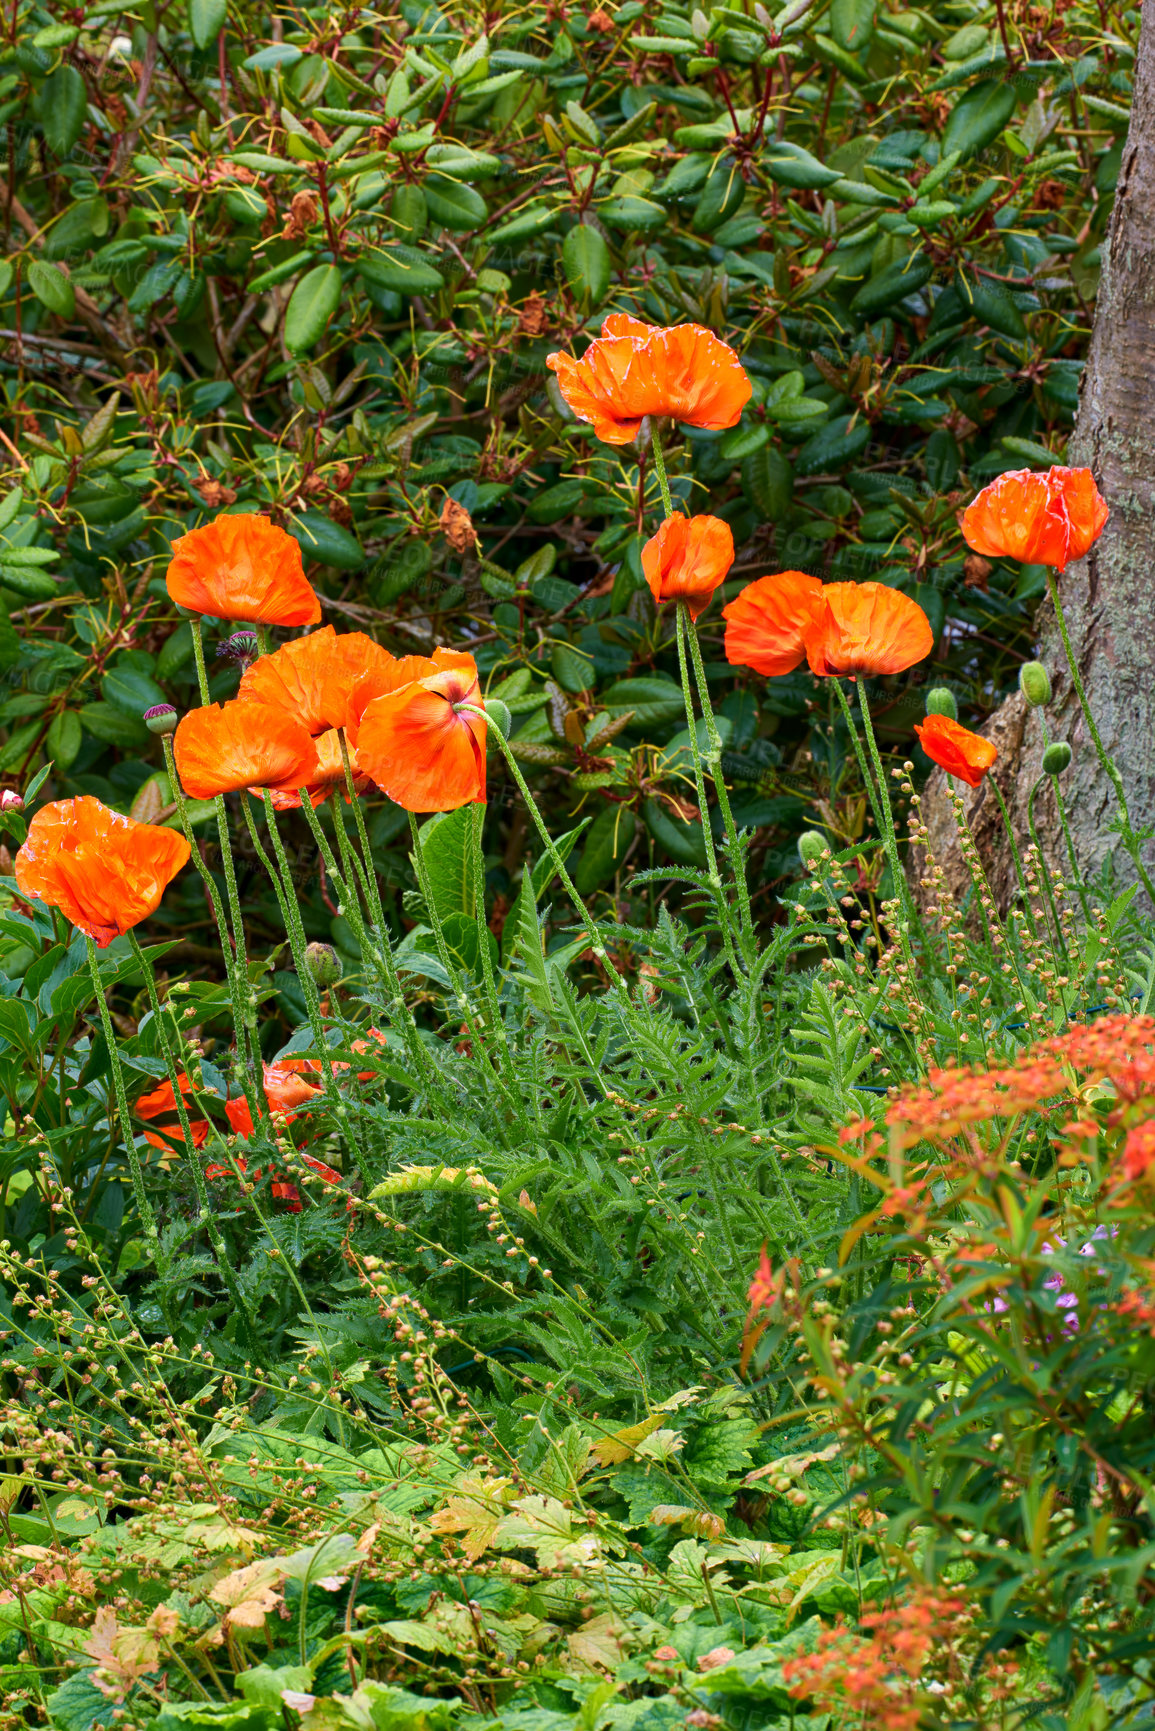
{"x": 791, "y": 165}
{"x": 721, "y": 196}
{"x": 453, "y": 204}
{"x": 522, "y": 915}
{"x": 113, "y": 727}
{"x": 312, "y": 304}
{"x": 61, "y": 107}
{"x": 683, "y": 842}
{"x": 852, "y": 22}
{"x": 28, "y": 581}
{"x": 607, "y": 842}
{"x": 768, "y": 482}
{"x": 904, "y": 277}
{"x": 206, "y": 20}
{"x": 992, "y": 305}
{"x": 632, "y": 214}
{"x": 52, "y": 288}
{"x": 979, "y": 117}
{"x": 401, "y": 268}
{"x": 410, "y": 211}
{"x": 322, "y": 539}
{"x": 447, "y": 850}
{"x": 836, "y": 445}
{"x": 585, "y": 259}
{"x": 130, "y": 690}
{"x": 64, "y": 739}
{"x": 653, "y": 701}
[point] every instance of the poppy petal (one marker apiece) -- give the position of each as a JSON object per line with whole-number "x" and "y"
{"x": 687, "y": 559}
{"x": 418, "y": 749}
{"x": 766, "y": 624}
{"x": 104, "y": 871}
{"x": 313, "y": 677}
{"x": 955, "y": 748}
{"x": 242, "y": 567}
{"x": 867, "y": 628}
{"x": 224, "y": 747}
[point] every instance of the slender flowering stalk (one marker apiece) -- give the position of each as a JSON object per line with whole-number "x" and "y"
{"x": 220, "y": 1249}
{"x": 714, "y": 759}
{"x": 144, "y": 1206}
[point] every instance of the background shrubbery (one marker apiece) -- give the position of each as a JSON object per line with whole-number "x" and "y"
{"x": 310, "y": 263}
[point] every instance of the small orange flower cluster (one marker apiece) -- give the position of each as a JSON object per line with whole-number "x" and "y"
{"x": 1118, "y": 1048}
{"x": 883, "y": 1678}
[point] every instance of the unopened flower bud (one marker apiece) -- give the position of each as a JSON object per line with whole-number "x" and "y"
{"x": 241, "y": 646}
{"x": 161, "y": 718}
{"x": 323, "y": 963}
{"x": 940, "y": 700}
{"x": 10, "y": 800}
{"x": 812, "y": 844}
{"x": 1035, "y": 684}
{"x": 499, "y": 714}
{"x": 1056, "y": 757}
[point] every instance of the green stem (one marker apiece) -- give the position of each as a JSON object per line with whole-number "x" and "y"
{"x": 376, "y": 909}
{"x": 144, "y": 1206}
{"x": 1130, "y": 840}
{"x": 199, "y": 659}
{"x": 489, "y": 979}
{"x": 1019, "y": 872}
{"x": 1054, "y": 912}
{"x": 220, "y": 1249}
{"x": 660, "y": 468}
{"x": 901, "y": 887}
{"x": 696, "y": 756}
{"x": 714, "y": 759}
{"x": 582, "y": 911}
{"x": 860, "y": 755}
{"x": 291, "y": 914}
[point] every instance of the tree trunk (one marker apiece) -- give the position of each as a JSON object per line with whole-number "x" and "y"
{"x": 1109, "y": 597}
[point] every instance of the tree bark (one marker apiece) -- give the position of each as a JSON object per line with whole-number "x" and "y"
{"x": 1109, "y": 597}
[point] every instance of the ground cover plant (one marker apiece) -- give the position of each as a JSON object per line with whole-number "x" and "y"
{"x": 526, "y": 1196}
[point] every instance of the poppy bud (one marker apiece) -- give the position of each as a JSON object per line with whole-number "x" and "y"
{"x": 10, "y": 800}
{"x": 1035, "y": 684}
{"x": 499, "y": 714}
{"x": 1056, "y": 757}
{"x": 812, "y": 844}
{"x": 241, "y": 646}
{"x": 940, "y": 700}
{"x": 323, "y": 963}
{"x": 161, "y": 718}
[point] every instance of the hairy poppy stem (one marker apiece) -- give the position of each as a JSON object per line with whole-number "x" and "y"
{"x": 291, "y": 915}
{"x": 1015, "y": 856}
{"x": 489, "y": 979}
{"x": 1054, "y": 914}
{"x": 570, "y": 888}
{"x": 901, "y": 887}
{"x": 660, "y": 469}
{"x": 144, "y": 1206}
{"x": 714, "y": 759}
{"x": 220, "y": 1249}
{"x": 1130, "y": 840}
{"x": 237, "y": 990}
{"x": 700, "y": 785}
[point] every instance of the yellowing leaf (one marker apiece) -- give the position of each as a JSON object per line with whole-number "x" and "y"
{"x": 249, "y": 1593}
{"x": 123, "y": 1656}
{"x": 476, "y": 1512}
{"x": 596, "y": 1646}
{"x": 612, "y": 1450}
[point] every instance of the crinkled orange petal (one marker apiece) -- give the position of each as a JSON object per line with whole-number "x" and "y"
{"x": 767, "y": 622}
{"x": 223, "y": 747}
{"x": 867, "y": 628}
{"x": 379, "y": 680}
{"x": 313, "y": 677}
{"x": 417, "y": 749}
{"x": 160, "y": 1102}
{"x": 1041, "y": 519}
{"x": 242, "y": 567}
{"x": 687, "y": 559}
{"x": 633, "y": 370}
{"x": 956, "y": 749}
{"x": 105, "y": 872}
{"x": 327, "y": 773}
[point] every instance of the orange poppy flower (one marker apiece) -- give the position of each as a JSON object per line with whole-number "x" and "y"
{"x": 867, "y": 628}
{"x": 327, "y": 774}
{"x": 687, "y": 559}
{"x": 956, "y": 749}
{"x": 313, "y": 678}
{"x": 161, "y": 1101}
{"x": 415, "y": 745}
{"x": 223, "y": 747}
{"x": 634, "y": 369}
{"x": 766, "y": 624}
{"x": 242, "y": 567}
{"x": 1042, "y": 519}
{"x": 286, "y": 1089}
{"x": 281, "y": 1187}
{"x": 104, "y": 871}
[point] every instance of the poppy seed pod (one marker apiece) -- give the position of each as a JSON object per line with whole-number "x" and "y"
{"x": 1056, "y": 757}
{"x": 940, "y": 700}
{"x": 323, "y": 964}
{"x": 161, "y": 718}
{"x": 812, "y": 844}
{"x": 1035, "y": 684}
{"x": 500, "y": 715}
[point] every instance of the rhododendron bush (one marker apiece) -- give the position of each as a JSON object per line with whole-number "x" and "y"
{"x": 529, "y": 1194}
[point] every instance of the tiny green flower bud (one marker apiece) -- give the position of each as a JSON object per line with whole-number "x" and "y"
{"x": 323, "y": 963}
{"x": 500, "y": 715}
{"x": 940, "y": 700}
{"x": 1056, "y": 757}
{"x": 812, "y": 844}
{"x": 161, "y": 718}
{"x": 1035, "y": 684}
